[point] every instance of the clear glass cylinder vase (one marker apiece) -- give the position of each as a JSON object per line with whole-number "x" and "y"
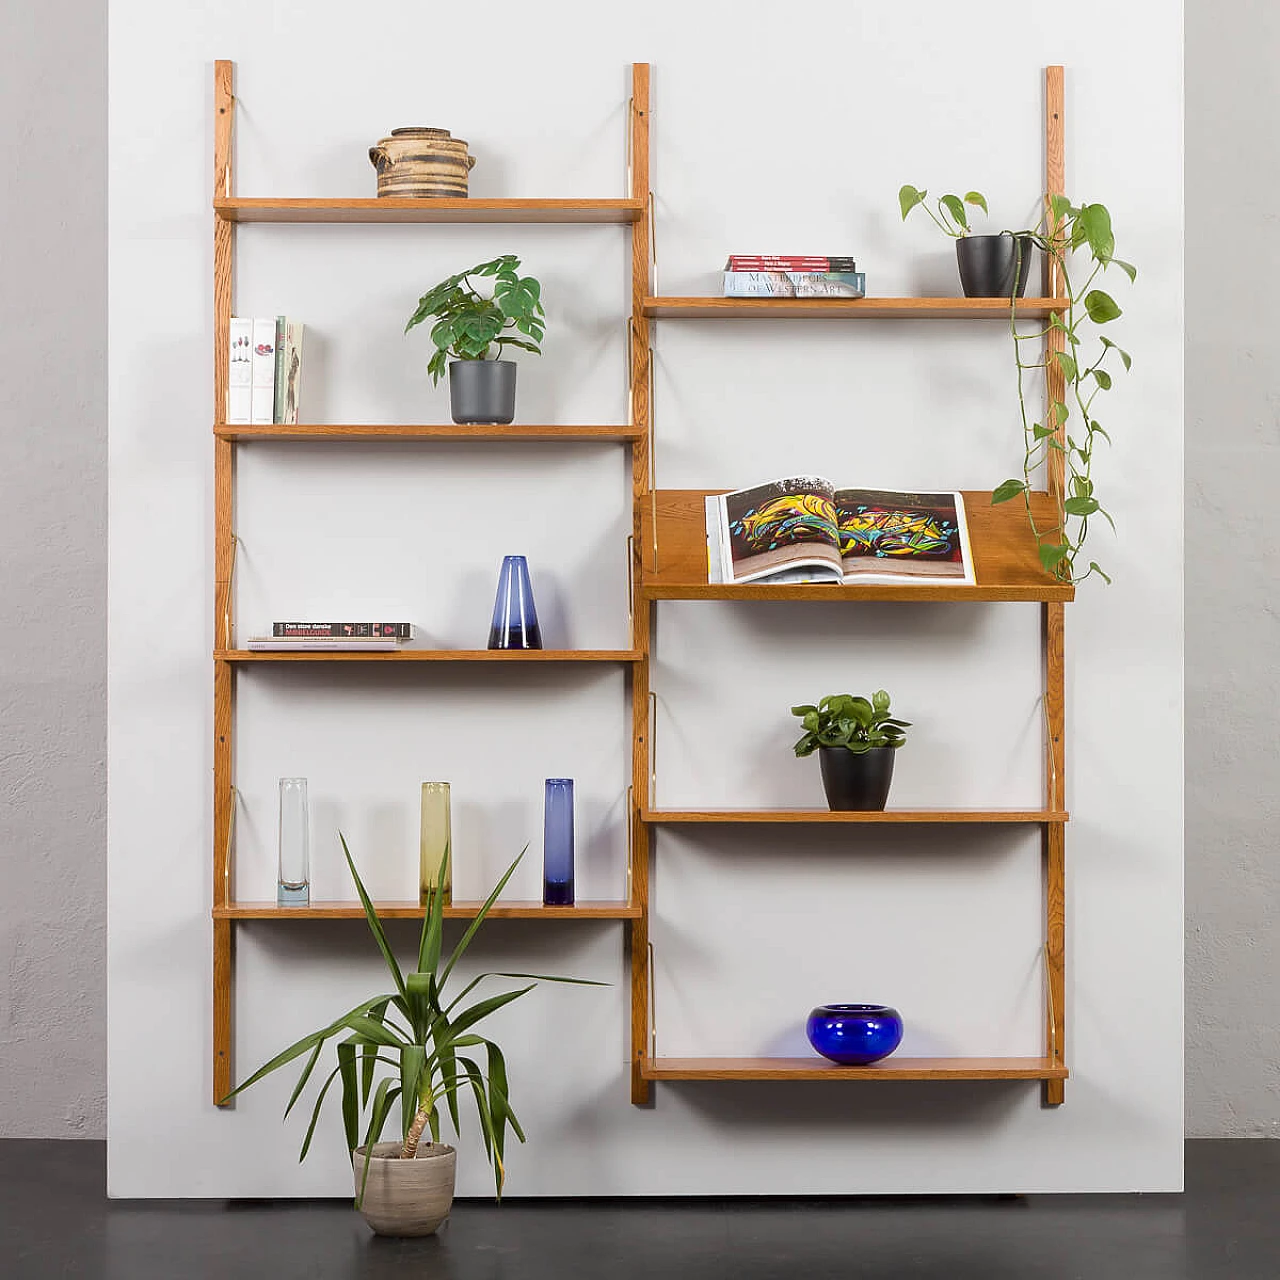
{"x": 557, "y": 843}
{"x": 435, "y": 865}
{"x": 293, "y": 874}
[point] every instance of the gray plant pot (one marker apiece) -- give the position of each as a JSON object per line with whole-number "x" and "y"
{"x": 406, "y": 1197}
{"x": 482, "y": 391}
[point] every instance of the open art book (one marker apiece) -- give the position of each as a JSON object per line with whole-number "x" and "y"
{"x": 804, "y": 529}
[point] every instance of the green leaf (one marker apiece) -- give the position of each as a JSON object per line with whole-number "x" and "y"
{"x": 1060, "y": 412}
{"x": 812, "y": 721}
{"x": 518, "y": 342}
{"x": 1132, "y": 272}
{"x": 375, "y": 925}
{"x": 350, "y": 1099}
{"x": 862, "y": 711}
{"x": 880, "y": 700}
{"x": 908, "y": 198}
{"x": 412, "y": 1068}
{"x": 1080, "y": 506}
{"x": 429, "y": 940}
{"x": 1060, "y": 207}
{"x": 1103, "y": 379}
{"x": 1124, "y": 355}
{"x": 1008, "y": 490}
{"x": 436, "y": 366}
{"x": 517, "y": 298}
{"x": 378, "y": 1032}
{"x": 483, "y": 1008}
{"x": 1095, "y": 222}
{"x": 804, "y": 710}
{"x": 1039, "y": 432}
{"x": 978, "y": 199}
{"x": 305, "y": 1076}
{"x": 1100, "y": 306}
{"x": 955, "y": 207}
{"x": 475, "y": 924}
{"x": 1095, "y": 567}
{"x": 1066, "y": 363}
{"x": 1081, "y": 487}
{"x": 1053, "y": 553}
{"x": 382, "y": 1102}
{"x": 315, "y": 1113}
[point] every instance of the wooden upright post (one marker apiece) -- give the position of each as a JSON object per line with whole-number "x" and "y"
{"x": 1054, "y": 286}
{"x": 1054, "y": 847}
{"x": 223, "y": 672}
{"x": 641, "y": 417}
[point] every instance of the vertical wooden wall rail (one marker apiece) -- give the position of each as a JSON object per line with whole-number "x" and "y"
{"x": 223, "y": 674}
{"x": 641, "y": 417}
{"x": 1054, "y": 845}
{"x": 1054, "y": 286}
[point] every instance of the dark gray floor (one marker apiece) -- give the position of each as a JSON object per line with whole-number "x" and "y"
{"x": 55, "y": 1221}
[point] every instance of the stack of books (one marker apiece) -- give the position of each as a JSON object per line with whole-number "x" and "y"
{"x": 265, "y": 371}
{"x": 765, "y": 275}
{"x": 333, "y": 636}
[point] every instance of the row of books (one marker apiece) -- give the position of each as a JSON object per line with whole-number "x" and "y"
{"x": 766, "y": 275}
{"x": 356, "y": 637}
{"x": 265, "y": 370}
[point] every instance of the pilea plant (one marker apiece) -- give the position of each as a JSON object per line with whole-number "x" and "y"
{"x": 1070, "y": 428}
{"x": 843, "y": 720}
{"x": 951, "y": 218}
{"x": 469, "y": 324}
{"x": 1064, "y": 230}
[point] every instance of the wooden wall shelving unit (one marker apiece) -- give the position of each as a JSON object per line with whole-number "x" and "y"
{"x": 668, "y": 562}
{"x": 229, "y": 212}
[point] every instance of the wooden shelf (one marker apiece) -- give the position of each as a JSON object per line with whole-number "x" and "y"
{"x": 400, "y": 209}
{"x": 429, "y": 655}
{"x": 424, "y": 431}
{"x": 820, "y": 1069}
{"x": 848, "y": 308}
{"x": 1006, "y": 563}
{"x": 414, "y": 911}
{"x": 895, "y": 817}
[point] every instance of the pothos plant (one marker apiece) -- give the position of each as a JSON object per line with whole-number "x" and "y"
{"x": 468, "y": 324}
{"x": 1070, "y": 428}
{"x": 426, "y": 1036}
{"x": 843, "y": 720}
{"x": 951, "y": 217}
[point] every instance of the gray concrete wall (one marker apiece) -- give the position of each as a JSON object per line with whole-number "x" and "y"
{"x": 1232, "y": 569}
{"x": 53, "y": 532}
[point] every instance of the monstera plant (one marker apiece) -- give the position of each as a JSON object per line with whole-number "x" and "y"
{"x": 470, "y": 326}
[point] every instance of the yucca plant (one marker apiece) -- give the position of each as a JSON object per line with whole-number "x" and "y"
{"x": 425, "y": 1035}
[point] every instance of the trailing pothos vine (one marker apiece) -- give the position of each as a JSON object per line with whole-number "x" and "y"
{"x": 1071, "y": 428}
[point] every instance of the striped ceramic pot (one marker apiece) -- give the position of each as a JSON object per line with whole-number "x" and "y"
{"x": 421, "y": 162}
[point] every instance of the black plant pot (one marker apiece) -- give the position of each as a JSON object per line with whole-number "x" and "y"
{"x": 482, "y": 390}
{"x": 988, "y": 265}
{"x": 856, "y": 781}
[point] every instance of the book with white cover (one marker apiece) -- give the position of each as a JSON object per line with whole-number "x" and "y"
{"x": 264, "y": 370}
{"x": 240, "y": 373}
{"x": 288, "y": 369}
{"x": 316, "y": 644}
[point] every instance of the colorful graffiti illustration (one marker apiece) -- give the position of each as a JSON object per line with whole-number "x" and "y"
{"x": 880, "y": 531}
{"x": 781, "y": 522}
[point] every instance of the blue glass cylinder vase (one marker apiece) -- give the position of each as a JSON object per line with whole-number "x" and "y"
{"x": 855, "y": 1035}
{"x": 557, "y": 843}
{"x": 515, "y": 619}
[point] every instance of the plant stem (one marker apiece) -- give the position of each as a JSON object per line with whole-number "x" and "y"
{"x": 414, "y": 1136}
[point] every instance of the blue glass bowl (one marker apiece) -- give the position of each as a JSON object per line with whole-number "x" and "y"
{"x": 855, "y": 1035}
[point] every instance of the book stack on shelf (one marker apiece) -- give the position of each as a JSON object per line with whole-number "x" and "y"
{"x": 767, "y": 275}
{"x": 265, "y": 371}
{"x": 352, "y": 637}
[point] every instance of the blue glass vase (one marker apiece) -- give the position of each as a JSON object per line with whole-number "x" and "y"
{"x": 515, "y": 620}
{"x": 557, "y": 843}
{"x": 855, "y": 1035}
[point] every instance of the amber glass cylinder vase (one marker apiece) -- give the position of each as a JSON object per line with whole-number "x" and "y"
{"x": 435, "y": 867}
